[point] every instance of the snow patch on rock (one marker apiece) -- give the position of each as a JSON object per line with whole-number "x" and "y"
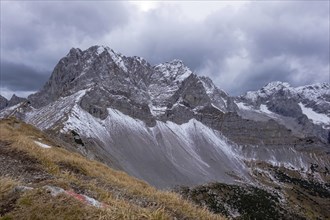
{"x": 118, "y": 59}
{"x": 317, "y": 118}
{"x": 244, "y": 106}
{"x": 100, "y": 50}
{"x": 263, "y": 108}
{"x": 42, "y": 145}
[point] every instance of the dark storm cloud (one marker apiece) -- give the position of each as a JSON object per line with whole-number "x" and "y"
{"x": 240, "y": 49}
{"x": 45, "y": 31}
{"x": 21, "y": 77}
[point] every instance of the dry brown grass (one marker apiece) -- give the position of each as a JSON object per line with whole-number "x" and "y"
{"x": 37, "y": 204}
{"x": 127, "y": 197}
{"x": 6, "y": 185}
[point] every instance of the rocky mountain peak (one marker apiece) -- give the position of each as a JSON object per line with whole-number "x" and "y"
{"x": 14, "y": 100}
{"x": 74, "y": 51}
{"x": 318, "y": 92}
{"x": 174, "y": 70}
{"x": 276, "y": 85}
{"x": 101, "y": 49}
{"x": 308, "y": 105}
{"x": 80, "y": 70}
{"x": 268, "y": 90}
{"x": 3, "y": 102}
{"x": 316, "y": 86}
{"x": 130, "y": 84}
{"x": 176, "y": 62}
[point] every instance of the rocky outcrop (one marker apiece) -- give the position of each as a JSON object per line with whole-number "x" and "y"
{"x": 3, "y": 102}
{"x": 14, "y": 100}
{"x": 97, "y": 101}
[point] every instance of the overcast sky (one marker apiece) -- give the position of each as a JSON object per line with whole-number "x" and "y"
{"x": 241, "y": 46}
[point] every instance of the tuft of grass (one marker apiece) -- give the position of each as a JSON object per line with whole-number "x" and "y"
{"x": 8, "y": 196}
{"x": 7, "y": 184}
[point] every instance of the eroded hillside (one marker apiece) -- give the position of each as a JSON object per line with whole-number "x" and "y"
{"x": 40, "y": 179}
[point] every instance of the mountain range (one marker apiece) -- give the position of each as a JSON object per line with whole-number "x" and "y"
{"x": 168, "y": 126}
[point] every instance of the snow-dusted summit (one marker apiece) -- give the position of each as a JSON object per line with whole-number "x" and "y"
{"x": 304, "y": 110}
{"x": 130, "y": 84}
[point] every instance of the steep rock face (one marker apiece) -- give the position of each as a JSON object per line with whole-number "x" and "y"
{"x": 3, "y": 102}
{"x": 97, "y": 100}
{"x": 166, "y": 79}
{"x": 249, "y": 132}
{"x": 78, "y": 70}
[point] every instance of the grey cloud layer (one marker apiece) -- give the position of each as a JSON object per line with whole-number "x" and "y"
{"x": 239, "y": 49}
{"x": 21, "y": 77}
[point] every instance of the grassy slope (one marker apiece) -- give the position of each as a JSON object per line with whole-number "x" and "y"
{"x": 126, "y": 197}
